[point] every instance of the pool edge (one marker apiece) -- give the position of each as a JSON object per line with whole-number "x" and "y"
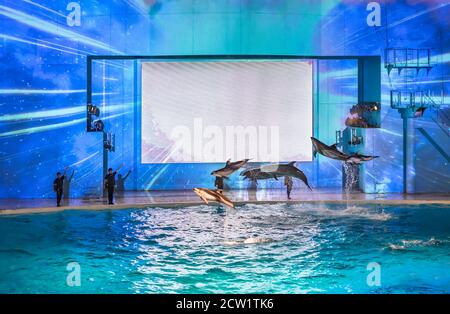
{"x": 37, "y": 210}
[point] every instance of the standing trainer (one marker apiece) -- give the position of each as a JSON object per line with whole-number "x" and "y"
{"x": 218, "y": 183}
{"x": 289, "y": 183}
{"x": 58, "y": 186}
{"x": 110, "y": 181}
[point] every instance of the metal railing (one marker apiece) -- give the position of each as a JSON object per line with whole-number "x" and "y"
{"x": 407, "y": 58}
{"x": 412, "y": 99}
{"x": 442, "y": 119}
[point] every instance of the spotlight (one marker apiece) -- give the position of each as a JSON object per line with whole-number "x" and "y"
{"x": 109, "y": 142}
{"x": 98, "y": 125}
{"x": 107, "y": 145}
{"x": 93, "y": 110}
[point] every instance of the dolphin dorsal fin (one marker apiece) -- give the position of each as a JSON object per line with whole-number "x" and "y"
{"x": 292, "y": 163}
{"x": 334, "y": 146}
{"x": 228, "y": 161}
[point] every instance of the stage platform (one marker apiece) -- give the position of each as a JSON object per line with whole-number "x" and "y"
{"x": 143, "y": 199}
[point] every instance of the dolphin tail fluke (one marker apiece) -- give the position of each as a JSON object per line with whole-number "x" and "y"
{"x": 314, "y": 142}
{"x": 305, "y": 180}
{"x": 230, "y": 204}
{"x": 224, "y": 200}
{"x": 314, "y": 151}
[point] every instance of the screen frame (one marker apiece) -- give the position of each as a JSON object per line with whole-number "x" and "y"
{"x": 366, "y": 71}
{"x": 200, "y": 59}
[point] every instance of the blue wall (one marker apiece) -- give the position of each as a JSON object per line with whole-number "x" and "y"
{"x": 43, "y": 96}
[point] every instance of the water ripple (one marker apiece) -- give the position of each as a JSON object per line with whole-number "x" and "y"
{"x": 254, "y": 248}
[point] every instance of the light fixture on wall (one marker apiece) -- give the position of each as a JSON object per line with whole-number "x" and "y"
{"x": 93, "y": 110}
{"x": 98, "y": 126}
{"x": 109, "y": 142}
{"x": 93, "y": 126}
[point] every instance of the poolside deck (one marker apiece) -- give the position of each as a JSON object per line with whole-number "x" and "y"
{"x": 142, "y": 199}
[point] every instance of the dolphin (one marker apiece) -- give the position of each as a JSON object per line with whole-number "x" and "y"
{"x": 229, "y": 168}
{"x": 275, "y": 171}
{"x": 257, "y": 174}
{"x": 359, "y": 158}
{"x": 327, "y": 151}
{"x": 213, "y": 195}
{"x": 333, "y": 153}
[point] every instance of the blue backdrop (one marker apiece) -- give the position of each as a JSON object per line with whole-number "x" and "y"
{"x": 43, "y": 48}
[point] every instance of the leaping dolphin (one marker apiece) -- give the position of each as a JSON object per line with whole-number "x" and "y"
{"x": 229, "y": 168}
{"x": 333, "y": 153}
{"x": 359, "y": 158}
{"x": 275, "y": 171}
{"x": 213, "y": 195}
{"x": 327, "y": 151}
{"x": 256, "y": 174}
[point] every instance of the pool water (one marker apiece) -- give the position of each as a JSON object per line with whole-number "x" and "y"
{"x": 278, "y": 248}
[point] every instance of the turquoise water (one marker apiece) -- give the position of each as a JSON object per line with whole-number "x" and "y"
{"x": 280, "y": 248}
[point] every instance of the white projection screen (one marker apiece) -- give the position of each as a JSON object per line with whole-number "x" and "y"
{"x": 212, "y": 111}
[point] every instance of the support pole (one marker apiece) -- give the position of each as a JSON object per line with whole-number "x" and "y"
{"x": 105, "y": 161}
{"x": 408, "y": 155}
{"x": 136, "y": 136}
{"x": 405, "y": 153}
{"x": 88, "y": 90}
{"x": 369, "y": 90}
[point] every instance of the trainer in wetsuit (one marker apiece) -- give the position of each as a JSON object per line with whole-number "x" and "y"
{"x": 58, "y": 186}
{"x": 110, "y": 181}
{"x": 288, "y": 183}
{"x": 218, "y": 183}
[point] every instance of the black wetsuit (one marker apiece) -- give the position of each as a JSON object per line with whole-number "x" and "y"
{"x": 219, "y": 183}
{"x": 289, "y": 183}
{"x": 109, "y": 185}
{"x": 58, "y": 188}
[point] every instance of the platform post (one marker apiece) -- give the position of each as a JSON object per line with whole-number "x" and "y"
{"x": 408, "y": 154}
{"x": 105, "y": 161}
{"x": 369, "y": 90}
